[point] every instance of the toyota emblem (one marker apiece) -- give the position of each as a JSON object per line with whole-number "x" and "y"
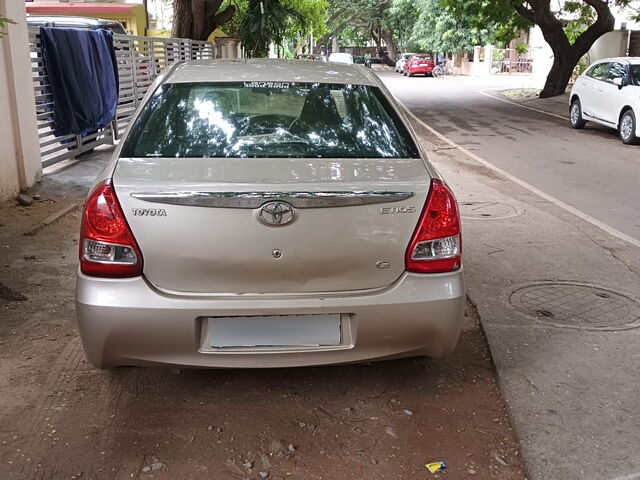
{"x": 276, "y": 214}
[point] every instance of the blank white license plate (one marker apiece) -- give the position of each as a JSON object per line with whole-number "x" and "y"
{"x": 274, "y": 331}
{"x": 423, "y": 64}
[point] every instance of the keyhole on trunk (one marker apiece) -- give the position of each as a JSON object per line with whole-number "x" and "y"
{"x": 277, "y": 253}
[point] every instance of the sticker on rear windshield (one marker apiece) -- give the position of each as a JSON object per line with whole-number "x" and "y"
{"x": 267, "y": 84}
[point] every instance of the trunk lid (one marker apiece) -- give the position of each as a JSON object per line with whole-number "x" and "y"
{"x": 199, "y": 226}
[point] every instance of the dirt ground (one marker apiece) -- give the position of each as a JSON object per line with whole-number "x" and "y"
{"x": 60, "y": 418}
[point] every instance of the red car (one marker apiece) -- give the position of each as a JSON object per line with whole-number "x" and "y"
{"x": 419, "y": 63}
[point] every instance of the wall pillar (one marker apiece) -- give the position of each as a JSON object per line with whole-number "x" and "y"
{"x": 20, "y": 162}
{"x": 488, "y": 57}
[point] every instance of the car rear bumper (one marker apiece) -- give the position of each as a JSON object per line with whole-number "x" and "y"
{"x": 128, "y": 322}
{"x": 425, "y": 70}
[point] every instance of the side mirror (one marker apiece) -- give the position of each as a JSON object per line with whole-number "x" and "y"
{"x": 620, "y": 82}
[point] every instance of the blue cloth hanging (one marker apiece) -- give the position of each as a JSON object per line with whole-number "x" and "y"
{"x": 83, "y": 75}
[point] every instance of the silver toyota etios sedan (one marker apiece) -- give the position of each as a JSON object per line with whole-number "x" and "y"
{"x": 262, "y": 213}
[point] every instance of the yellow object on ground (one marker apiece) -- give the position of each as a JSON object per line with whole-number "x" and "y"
{"x": 436, "y": 466}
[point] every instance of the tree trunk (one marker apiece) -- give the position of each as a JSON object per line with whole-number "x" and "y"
{"x": 146, "y": 15}
{"x": 375, "y": 33}
{"x": 181, "y": 19}
{"x": 197, "y": 19}
{"x": 558, "y": 77}
{"x": 565, "y": 55}
{"x": 563, "y": 58}
{"x": 200, "y": 28}
{"x": 387, "y": 35}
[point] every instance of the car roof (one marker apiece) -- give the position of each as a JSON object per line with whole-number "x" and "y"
{"x": 632, "y": 60}
{"x": 269, "y": 70}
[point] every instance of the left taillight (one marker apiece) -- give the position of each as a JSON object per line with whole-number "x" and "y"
{"x": 107, "y": 245}
{"x": 436, "y": 245}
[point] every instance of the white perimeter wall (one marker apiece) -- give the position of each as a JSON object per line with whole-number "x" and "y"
{"x": 611, "y": 44}
{"x": 20, "y": 164}
{"x": 541, "y": 53}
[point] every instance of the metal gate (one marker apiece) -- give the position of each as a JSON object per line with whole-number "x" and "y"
{"x": 508, "y": 61}
{"x": 140, "y": 61}
{"x": 634, "y": 43}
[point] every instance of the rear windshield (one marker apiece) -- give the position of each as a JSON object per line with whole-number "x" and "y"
{"x": 635, "y": 74}
{"x": 422, "y": 57}
{"x": 268, "y": 119}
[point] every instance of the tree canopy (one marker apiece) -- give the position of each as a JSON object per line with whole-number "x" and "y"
{"x": 366, "y": 19}
{"x": 257, "y": 23}
{"x": 570, "y": 27}
{"x": 274, "y": 21}
{"x": 438, "y": 29}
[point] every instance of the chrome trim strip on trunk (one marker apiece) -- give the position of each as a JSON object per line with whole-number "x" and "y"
{"x": 256, "y": 199}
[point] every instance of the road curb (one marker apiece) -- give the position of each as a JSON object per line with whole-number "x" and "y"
{"x": 539, "y": 110}
{"x": 54, "y": 217}
{"x": 551, "y": 199}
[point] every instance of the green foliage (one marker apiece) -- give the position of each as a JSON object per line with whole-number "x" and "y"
{"x": 273, "y": 21}
{"x": 4, "y": 21}
{"x": 497, "y": 16}
{"x": 581, "y": 66}
{"x": 232, "y": 27}
{"x": 441, "y": 29}
{"x": 522, "y": 48}
{"x": 260, "y": 23}
{"x": 578, "y": 16}
{"x": 565, "y": 24}
{"x": 314, "y": 14}
{"x": 353, "y": 36}
{"x": 402, "y": 16}
{"x": 357, "y": 19}
{"x": 510, "y": 18}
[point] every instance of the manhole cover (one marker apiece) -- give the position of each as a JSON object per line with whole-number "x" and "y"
{"x": 577, "y": 306}
{"x": 487, "y": 210}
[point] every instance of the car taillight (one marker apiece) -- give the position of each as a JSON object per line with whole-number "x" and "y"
{"x": 436, "y": 245}
{"x": 107, "y": 245}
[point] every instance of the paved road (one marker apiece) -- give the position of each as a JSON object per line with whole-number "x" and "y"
{"x": 590, "y": 170}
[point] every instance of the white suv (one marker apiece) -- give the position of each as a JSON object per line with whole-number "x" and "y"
{"x": 609, "y": 93}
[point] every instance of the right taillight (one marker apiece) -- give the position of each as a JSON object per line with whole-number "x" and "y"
{"x": 436, "y": 245}
{"x": 107, "y": 245}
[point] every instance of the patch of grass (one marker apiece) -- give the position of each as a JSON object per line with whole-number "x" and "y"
{"x": 521, "y": 93}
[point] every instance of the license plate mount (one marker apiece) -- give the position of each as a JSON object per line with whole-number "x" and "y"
{"x": 280, "y": 331}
